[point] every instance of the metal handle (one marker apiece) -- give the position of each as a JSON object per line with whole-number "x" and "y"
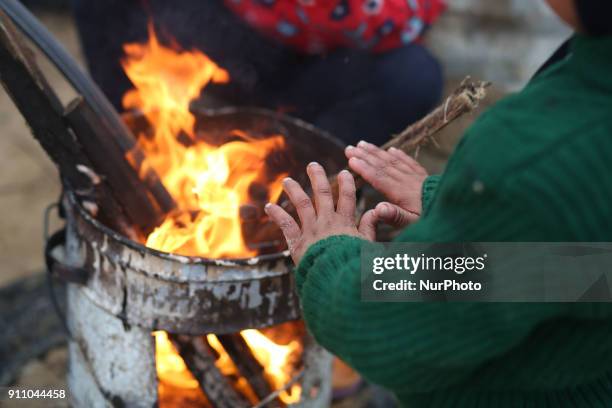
{"x": 55, "y": 267}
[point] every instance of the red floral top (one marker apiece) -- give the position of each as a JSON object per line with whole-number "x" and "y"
{"x": 315, "y": 26}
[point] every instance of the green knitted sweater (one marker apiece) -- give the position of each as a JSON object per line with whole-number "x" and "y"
{"x": 535, "y": 167}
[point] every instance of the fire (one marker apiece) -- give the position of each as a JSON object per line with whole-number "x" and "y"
{"x": 209, "y": 183}
{"x": 227, "y": 367}
{"x": 275, "y": 358}
{"x": 171, "y": 368}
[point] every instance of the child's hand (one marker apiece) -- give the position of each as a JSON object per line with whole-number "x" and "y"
{"x": 394, "y": 174}
{"x": 322, "y": 220}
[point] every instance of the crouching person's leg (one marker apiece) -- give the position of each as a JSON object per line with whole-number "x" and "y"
{"x": 410, "y": 83}
{"x": 358, "y": 95}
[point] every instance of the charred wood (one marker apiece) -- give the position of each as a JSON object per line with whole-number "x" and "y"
{"x": 109, "y": 161}
{"x": 201, "y": 362}
{"x": 42, "y": 110}
{"x": 247, "y": 364}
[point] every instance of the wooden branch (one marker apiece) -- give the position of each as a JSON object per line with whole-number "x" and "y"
{"x": 91, "y": 155}
{"x": 248, "y": 366}
{"x": 42, "y": 110}
{"x": 463, "y": 100}
{"x": 201, "y": 362}
{"x": 110, "y": 163}
{"x": 37, "y": 103}
{"x": 150, "y": 178}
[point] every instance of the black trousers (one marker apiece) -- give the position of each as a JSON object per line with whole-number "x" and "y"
{"x": 354, "y": 94}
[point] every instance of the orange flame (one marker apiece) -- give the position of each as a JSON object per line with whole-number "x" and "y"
{"x": 171, "y": 368}
{"x": 209, "y": 183}
{"x": 275, "y": 358}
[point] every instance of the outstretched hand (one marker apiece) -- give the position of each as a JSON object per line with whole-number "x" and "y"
{"x": 323, "y": 219}
{"x": 395, "y": 175}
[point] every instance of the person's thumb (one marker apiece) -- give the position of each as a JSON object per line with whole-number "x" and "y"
{"x": 393, "y": 215}
{"x": 367, "y": 225}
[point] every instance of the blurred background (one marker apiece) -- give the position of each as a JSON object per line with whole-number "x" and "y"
{"x": 502, "y": 41}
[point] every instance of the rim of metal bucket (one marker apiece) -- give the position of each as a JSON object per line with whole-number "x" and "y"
{"x": 123, "y": 240}
{"x": 225, "y": 295}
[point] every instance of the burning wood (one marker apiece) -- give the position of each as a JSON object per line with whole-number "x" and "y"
{"x": 276, "y": 360}
{"x": 251, "y": 359}
{"x": 145, "y": 203}
{"x": 240, "y": 353}
{"x": 201, "y": 362}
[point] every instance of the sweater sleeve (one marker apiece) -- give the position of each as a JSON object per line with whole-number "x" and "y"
{"x": 420, "y": 347}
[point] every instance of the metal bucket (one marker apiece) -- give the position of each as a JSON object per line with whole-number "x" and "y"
{"x": 129, "y": 290}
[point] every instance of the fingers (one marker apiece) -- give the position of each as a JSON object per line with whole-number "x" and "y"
{"x": 291, "y": 231}
{"x": 394, "y": 162}
{"x": 321, "y": 189}
{"x": 393, "y": 215}
{"x": 300, "y": 200}
{"x": 407, "y": 160}
{"x": 377, "y": 177}
{"x": 367, "y": 225}
{"x": 386, "y": 165}
{"x": 371, "y": 154}
{"x": 346, "y": 195}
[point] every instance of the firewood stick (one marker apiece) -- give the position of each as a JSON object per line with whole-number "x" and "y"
{"x": 98, "y": 146}
{"x": 240, "y": 353}
{"x": 201, "y": 362}
{"x": 110, "y": 163}
{"x": 42, "y": 110}
{"x": 150, "y": 178}
{"x": 464, "y": 99}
